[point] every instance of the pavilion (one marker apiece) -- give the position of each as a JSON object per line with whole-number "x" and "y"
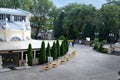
{"x": 15, "y": 36}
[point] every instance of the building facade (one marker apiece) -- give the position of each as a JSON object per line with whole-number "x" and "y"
{"x": 14, "y": 25}
{"x": 15, "y": 36}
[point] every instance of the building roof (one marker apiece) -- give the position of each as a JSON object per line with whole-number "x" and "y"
{"x": 18, "y": 45}
{"x": 14, "y": 11}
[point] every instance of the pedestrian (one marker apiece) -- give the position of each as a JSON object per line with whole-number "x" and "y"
{"x": 73, "y": 43}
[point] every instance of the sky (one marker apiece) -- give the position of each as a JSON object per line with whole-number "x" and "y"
{"x": 96, "y": 3}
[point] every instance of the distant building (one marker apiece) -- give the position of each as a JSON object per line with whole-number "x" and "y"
{"x": 46, "y": 35}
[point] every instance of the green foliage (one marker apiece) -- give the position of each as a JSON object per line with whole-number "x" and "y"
{"x": 67, "y": 45}
{"x": 108, "y": 21}
{"x": 98, "y": 46}
{"x": 59, "y": 25}
{"x": 58, "y": 48}
{"x": 42, "y": 55}
{"x": 101, "y": 49}
{"x": 61, "y": 37}
{"x": 22, "y": 4}
{"x": 54, "y": 51}
{"x": 96, "y": 42}
{"x": 62, "y": 49}
{"x": 30, "y": 55}
{"x": 41, "y": 9}
{"x": 78, "y": 17}
{"x": 48, "y": 52}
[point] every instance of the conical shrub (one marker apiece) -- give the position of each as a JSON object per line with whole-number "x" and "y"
{"x": 62, "y": 49}
{"x": 58, "y": 48}
{"x": 42, "y": 55}
{"x": 54, "y": 51}
{"x": 30, "y": 55}
{"x": 48, "y": 53}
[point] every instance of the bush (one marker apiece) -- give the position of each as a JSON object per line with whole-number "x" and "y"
{"x": 54, "y": 51}
{"x": 48, "y": 53}
{"x": 61, "y": 37}
{"x": 42, "y": 55}
{"x": 66, "y": 45}
{"x": 58, "y": 48}
{"x": 62, "y": 51}
{"x": 30, "y": 55}
{"x": 99, "y": 47}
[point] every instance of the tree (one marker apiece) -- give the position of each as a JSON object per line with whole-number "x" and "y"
{"x": 48, "y": 53}
{"x": 76, "y": 16}
{"x": 54, "y": 51}
{"x": 58, "y": 48}
{"x": 109, "y": 21}
{"x": 42, "y": 55}
{"x": 30, "y": 55}
{"x": 59, "y": 25}
{"x": 41, "y": 9}
{"x": 22, "y": 4}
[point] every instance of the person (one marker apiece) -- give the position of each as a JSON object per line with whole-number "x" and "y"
{"x": 73, "y": 43}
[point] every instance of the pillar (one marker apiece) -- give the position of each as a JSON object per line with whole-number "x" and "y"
{"x": 1, "y": 62}
{"x": 22, "y": 55}
{"x": 34, "y": 54}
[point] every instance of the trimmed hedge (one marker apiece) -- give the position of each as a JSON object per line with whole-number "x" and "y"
{"x": 30, "y": 55}
{"x": 42, "y": 55}
{"x": 48, "y": 53}
{"x": 54, "y": 51}
{"x": 58, "y": 48}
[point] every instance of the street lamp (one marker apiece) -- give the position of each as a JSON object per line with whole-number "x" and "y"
{"x": 80, "y": 35}
{"x": 96, "y": 34}
{"x": 111, "y": 36}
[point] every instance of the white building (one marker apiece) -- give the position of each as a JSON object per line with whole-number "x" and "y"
{"x": 14, "y": 25}
{"x": 15, "y": 36}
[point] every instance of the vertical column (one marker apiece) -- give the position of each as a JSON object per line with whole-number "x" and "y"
{"x": 34, "y": 54}
{"x": 22, "y": 55}
{"x": 1, "y": 62}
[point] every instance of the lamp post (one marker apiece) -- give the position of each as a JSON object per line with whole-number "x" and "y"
{"x": 80, "y": 35}
{"x": 96, "y": 34}
{"x": 111, "y": 35}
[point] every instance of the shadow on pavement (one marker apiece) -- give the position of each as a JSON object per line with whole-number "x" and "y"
{"x": 117, "y": 53}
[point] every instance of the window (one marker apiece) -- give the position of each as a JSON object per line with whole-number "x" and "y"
{"x": 2, "y": 17}
{"x": 19, "y": 18}
{"x": 15, "y": 39}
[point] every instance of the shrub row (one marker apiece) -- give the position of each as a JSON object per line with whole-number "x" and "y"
{"x": 55, "y": 51}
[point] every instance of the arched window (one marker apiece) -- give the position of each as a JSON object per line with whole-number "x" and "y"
{"x": 15, "y": 39}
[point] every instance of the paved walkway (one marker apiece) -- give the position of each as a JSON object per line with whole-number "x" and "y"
{"x": 86, "y": 65}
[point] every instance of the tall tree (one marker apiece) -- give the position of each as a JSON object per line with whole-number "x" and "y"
{"x": 41, "y": 9}
{"x": 59, "y": 25}
{"x": 77, "y": 18}
{"x": 22, "y": 4}
{"x": 109, "y": 21}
